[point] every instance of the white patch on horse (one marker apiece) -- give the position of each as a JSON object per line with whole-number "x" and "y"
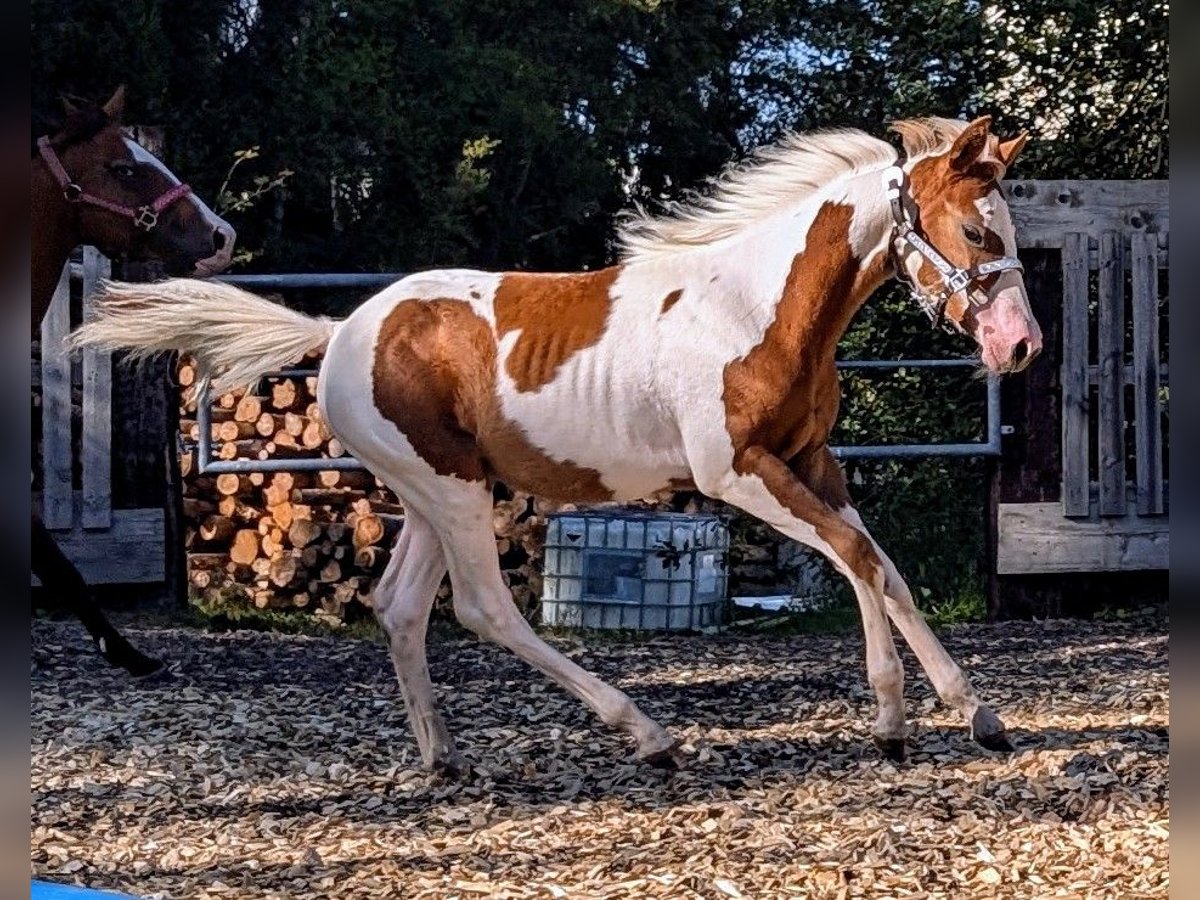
{"x": 1001, "y": 221}
{"x": 144, "y": 157}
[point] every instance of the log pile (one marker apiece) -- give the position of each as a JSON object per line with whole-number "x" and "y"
{"x": 315, "y": 541}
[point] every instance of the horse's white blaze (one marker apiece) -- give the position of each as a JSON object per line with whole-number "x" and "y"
{"x": 144, "y": 157}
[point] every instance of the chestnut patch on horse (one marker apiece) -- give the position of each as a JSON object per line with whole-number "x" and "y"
{"x": 935, "y": 182}
{"x": 851, "y": 546}
{"x": 557, "y": 315}
{"x": 413, "y": 388}
{"x": 783, "y": 394}
{"x": 434, "y": 377}
{"x": 781, "y": 398}
{"x": 670, "y": 300}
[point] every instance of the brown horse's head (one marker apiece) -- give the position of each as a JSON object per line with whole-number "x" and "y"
{"x": 960, "y": 210}
{"x": 123, "y": 199}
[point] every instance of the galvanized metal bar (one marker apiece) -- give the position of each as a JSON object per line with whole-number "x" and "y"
{"x": 315, "y": 464}
{"x": 312, "y": 280}
{"x": 995, "y": 428}
{"x": 912, "y": 451}
{"x": 204, "y": 426}
{"x": 989, "y": 447}
{"x": 959, "y": 363}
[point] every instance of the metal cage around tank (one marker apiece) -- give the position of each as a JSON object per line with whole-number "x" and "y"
{"x": 635, "y": 569}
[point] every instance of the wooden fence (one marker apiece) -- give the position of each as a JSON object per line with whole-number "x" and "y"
{"x": 1082, "y": 486}
{"x": 107, "y": 544}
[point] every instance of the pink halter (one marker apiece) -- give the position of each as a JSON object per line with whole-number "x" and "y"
{"x": 144, "y": 217}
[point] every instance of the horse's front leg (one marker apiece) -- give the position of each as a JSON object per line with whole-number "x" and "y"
{"x": 824, "y": 476}
{"x": 762, "y": 485}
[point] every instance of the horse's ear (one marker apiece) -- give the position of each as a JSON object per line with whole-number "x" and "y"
{"x": 115, "y": 107}
{"x": 1008, "y": 150}
{"x": 972, "y": 144}
{"x": 70, "y": 107}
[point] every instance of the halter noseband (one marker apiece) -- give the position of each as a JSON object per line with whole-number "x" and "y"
{"x": 955, "y": 280}
{"x": 144, "y": 218}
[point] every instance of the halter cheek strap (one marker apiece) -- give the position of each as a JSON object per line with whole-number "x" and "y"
{"x": 955, "y": 279}
{"x": 144, "y": 218}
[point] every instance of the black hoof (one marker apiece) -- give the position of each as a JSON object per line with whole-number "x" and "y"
{"x": 119, "y": 652}
{"x": 988, "y": 731}
{"x": 667, "y": 758}
{"x": 892, "y": 748}
{"x": 998, "y": 742}
{"x": 452, "y": 768}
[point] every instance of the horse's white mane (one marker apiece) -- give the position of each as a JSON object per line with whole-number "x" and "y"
{"x": 772, "y": 178}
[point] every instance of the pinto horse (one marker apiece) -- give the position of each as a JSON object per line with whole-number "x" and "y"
{"x": 94, "y": 185}
{"x": 706, "y": 357}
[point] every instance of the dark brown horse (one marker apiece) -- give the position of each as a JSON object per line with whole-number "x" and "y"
{"x": 92, "y": 184}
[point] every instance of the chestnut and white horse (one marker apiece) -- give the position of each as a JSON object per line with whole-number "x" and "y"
{"x": 705, "y": 358}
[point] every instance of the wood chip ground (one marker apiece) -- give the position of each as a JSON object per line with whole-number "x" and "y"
{"x": 276, "y": 766}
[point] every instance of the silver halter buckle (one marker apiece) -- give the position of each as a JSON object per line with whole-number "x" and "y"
{"x": 146, "y": 218}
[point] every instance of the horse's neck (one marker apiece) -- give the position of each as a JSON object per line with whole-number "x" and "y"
{"x": 52, "y": 237}
{"x": 812, "y": 269}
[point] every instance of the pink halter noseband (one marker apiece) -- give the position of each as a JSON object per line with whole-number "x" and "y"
{"x": 144, "y": 217}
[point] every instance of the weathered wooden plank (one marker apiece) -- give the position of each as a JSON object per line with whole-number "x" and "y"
{"x": 130, "y": 551}
{"x": 1110, "y": 433}
{"x": 1127, "y": 374}
{"x": 56, "y": 408}
{"x": 1147, "y": 421}
{"x": 1045, "y": 211}
{"x": 96, "y": 439}
{"x": 1035, "y": 538}
{"x": 1075, "y": 376}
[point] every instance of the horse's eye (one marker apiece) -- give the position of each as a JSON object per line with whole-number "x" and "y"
{"x": 973, "y": 235}
{"x": 122, "y": 169}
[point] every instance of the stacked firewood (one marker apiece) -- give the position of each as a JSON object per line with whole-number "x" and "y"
{"x": 281, "y": 540}
{"x": 313, "y": 541}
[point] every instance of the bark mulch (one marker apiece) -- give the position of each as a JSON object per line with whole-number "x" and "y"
{"x": 281, "y": 766}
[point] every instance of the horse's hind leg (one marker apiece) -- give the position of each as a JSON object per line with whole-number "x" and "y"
{"x": 65, "y": 587}
{"x": 402, "y": 601}
{"x": 483, "y": 603}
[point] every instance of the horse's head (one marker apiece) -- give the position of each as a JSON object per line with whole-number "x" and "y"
{"x": 125, "y": 201}
{"x": 956, "y": 242}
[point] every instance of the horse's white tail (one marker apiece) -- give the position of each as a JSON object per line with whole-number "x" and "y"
{"x": 234, "y": 336}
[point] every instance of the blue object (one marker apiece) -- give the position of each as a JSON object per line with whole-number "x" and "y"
{"x": 46, "y": 890}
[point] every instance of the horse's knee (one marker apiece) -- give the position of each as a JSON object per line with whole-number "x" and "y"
{"x": 858, "y": 557}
